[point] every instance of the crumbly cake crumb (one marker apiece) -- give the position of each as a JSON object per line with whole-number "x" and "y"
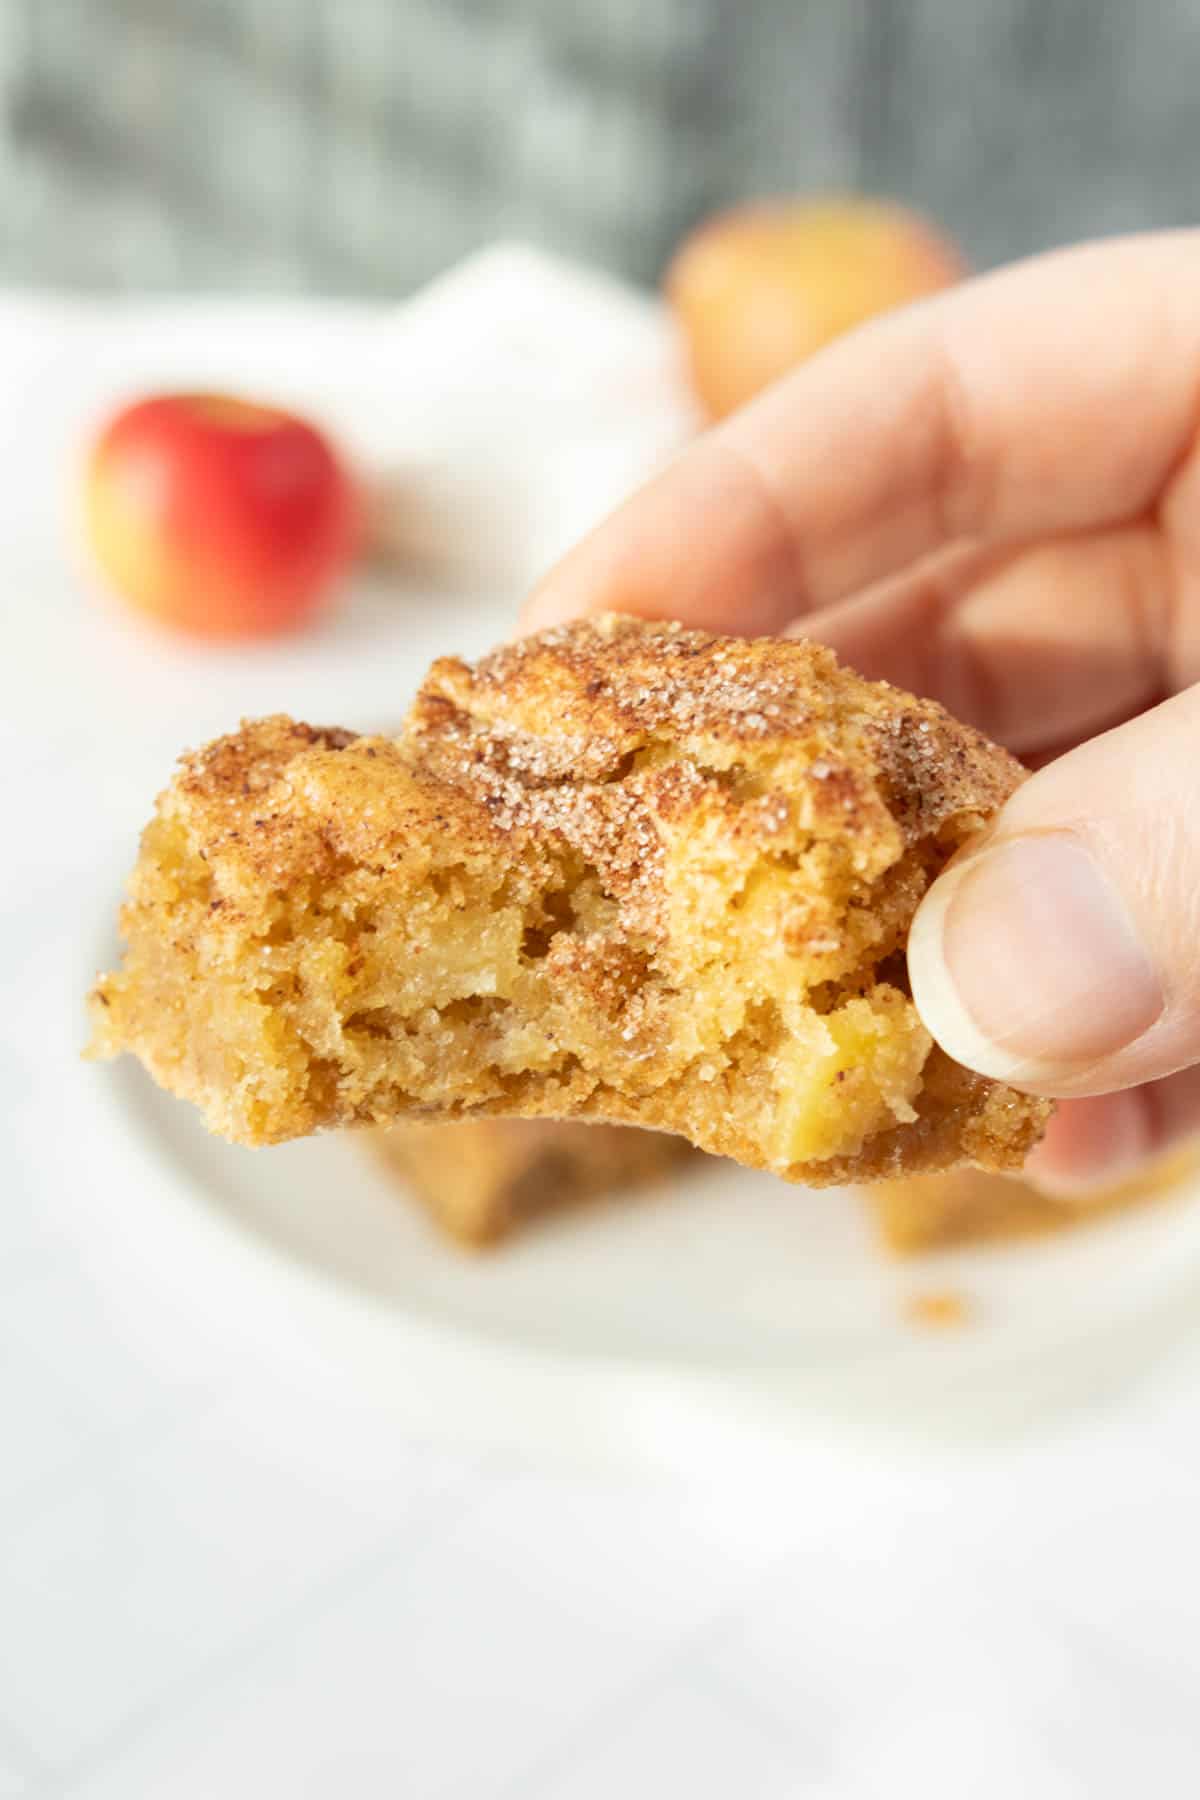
{"x": 619, "y": 871}
{"x": 942, "y": 1309}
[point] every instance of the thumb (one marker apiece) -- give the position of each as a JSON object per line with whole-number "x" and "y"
{"x": 1063, "y": 953}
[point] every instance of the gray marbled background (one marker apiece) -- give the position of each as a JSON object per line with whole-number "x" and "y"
{"x": 360, "y": 145}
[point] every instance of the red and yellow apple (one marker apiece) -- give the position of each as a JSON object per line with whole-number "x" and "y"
{"x": 758, "y": 289}
{"x": 217, "y": 515}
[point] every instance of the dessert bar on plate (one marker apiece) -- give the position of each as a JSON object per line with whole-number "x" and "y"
{"x": 484, "y": 1179}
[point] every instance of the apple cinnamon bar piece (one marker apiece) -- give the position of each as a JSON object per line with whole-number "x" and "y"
{"x": 968, "y": 1206}
{"x": 483, "y": 1180}
{"x": 620, "y": 871}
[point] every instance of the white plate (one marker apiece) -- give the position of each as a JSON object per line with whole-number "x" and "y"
{"x": 727, "y": 1299}
{"x": 731, "y": 1303}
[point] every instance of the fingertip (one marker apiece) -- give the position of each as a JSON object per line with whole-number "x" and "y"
{"x": 542, "y": 611}
{"x": 702, "y": 542}
{"x": 588, "y": 579}
{"x": 1027, "y": 965}
{"x": 937, "y": 993}
{"x": 561, "y": 597}
{"x": 1090, "y": 1145}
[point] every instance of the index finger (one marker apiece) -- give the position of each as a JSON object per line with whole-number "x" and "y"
{"x": 1056, "y": 395}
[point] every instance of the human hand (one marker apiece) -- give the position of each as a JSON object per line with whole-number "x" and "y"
{"x": 994, "y": 498}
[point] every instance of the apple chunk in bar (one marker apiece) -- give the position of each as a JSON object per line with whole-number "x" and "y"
{"x": 621, "y": 871}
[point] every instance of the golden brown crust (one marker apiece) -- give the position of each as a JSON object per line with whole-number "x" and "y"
{"x": 619, "y": 871}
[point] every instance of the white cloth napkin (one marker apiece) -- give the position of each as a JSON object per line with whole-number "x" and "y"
{"x": 513, "y": 404}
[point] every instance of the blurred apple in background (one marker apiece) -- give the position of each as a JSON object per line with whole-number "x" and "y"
{"x": 758, "y": 289}
{"x": 219, "y": 516}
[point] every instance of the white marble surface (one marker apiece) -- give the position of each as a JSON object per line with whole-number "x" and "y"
{"x": 231, "y": 1564}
